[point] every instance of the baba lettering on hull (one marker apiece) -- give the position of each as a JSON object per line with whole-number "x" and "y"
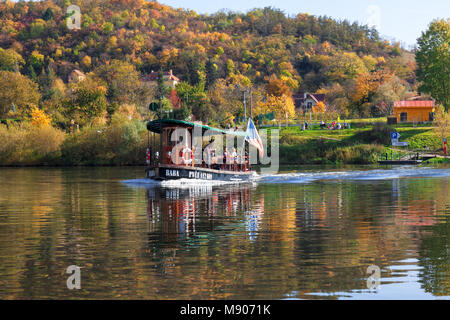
{"x": 172, "y": 173}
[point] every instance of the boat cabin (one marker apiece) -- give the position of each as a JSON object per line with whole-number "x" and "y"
{"x": 185, "y": 144}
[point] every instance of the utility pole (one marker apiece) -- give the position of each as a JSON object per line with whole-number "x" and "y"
{"x": 245, "y": 109}
{"x": 251, "y": 103}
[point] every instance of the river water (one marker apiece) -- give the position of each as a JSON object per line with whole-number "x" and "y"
{"x": 306, "y": 233}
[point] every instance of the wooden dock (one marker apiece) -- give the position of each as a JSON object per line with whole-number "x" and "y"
{"x": 413, "y": 158}
{"x": 400, "y": 162}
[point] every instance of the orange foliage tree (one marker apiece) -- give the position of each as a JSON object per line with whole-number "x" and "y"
{"x": 367, "y": 84}
{"x": 319, "y": 107}
{"x": 277, "y": 87}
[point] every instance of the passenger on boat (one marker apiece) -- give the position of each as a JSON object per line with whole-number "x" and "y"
{"x": 225, "y": 158}
{"x": 234, "y": 157}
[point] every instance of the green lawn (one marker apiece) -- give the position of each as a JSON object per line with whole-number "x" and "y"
{"x": 356, "y": 145}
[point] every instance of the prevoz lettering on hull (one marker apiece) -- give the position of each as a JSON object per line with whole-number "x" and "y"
{"x": 200, "y": 175}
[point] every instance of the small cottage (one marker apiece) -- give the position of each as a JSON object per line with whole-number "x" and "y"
{"x": 170, "y": 79}
{"x": 306, "y": 101}
{"x": 414, "y": 111}
{"x": 76, "y": 76}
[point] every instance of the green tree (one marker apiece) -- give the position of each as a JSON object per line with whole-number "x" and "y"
{"x": 433, "y": 61}
{"x": 36, "y": 60}
{"x": 37, "y": 28}
{"x": 87, "y": 102}
{"x": 441, "y": 123}
{"x": 211, "y": 73}
{"x": 345, "y": 65}
{"x": 48, "y": 14}
{"x": 18, "y": 89}
{"x": 122, "y": 79}
{"x": 10, "y": 60}
{"x": 162, "y": 89}
{"x": 108, "y": 27}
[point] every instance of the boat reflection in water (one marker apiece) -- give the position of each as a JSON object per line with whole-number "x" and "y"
{"x": 194, "y": 216}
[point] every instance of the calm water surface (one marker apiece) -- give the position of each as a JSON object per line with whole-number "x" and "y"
{"x": 308, "y": 233}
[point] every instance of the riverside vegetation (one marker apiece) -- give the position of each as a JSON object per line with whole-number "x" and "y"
{"x": 124, "y": 141}
{"x": 48, "y": 117}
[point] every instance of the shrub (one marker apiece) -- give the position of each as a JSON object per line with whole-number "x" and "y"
{"x": 291, "y": 139}
{"x": 123, "y": 142}
{"x": 357, "y": 154}
{"x": 380, "y": 134}
{"x": 25, "y": 144}
{"x": 85, "y": 147}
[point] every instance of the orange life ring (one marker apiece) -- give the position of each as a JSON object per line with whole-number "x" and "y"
{"x": 189, "y": 159}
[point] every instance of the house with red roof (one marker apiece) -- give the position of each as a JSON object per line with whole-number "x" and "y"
{"x": 169, "y": 78}
{"x": 414, "y": 111}
{"x": 306, "y": 101}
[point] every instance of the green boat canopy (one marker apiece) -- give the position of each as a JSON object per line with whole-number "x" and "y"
{"x": 156, "y": 125}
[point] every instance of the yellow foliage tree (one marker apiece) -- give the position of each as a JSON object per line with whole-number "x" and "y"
{"x": 39, "y": 118}
{"x": 282, "y": 106}
{"x": 86, "y": 61}
{"x": 441, "y": 122}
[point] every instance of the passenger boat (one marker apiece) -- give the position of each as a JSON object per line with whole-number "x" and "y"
{"x": 181, "y": 157}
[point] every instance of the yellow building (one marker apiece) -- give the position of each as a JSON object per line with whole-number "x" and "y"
{"x": 414, "y": 111}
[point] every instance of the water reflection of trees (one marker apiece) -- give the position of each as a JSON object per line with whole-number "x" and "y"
{"x": 267, "y": 241}
{"x": 434, "y": 250}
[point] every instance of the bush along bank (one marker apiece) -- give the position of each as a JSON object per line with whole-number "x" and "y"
{"x": 321, "y": 151}
{"x": 121, "y": 142}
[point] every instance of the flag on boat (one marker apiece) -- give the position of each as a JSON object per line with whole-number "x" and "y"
{"x": 253, "y": 137}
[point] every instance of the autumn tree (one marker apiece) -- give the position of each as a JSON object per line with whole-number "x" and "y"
{"x": 319, "y": 107}
{"x": 433, "y": 61}
{"x": 39, "y": 118}
{"x": 122, "y": 80}
{"x": 277, "y": 87}
{"x": 10, "y": 60}
{"x": 345, "y": 65}
{"x": 18, "y": 90}
{"x": 282, "y": 106}
{"x": 338, "y": 97}
{"x": 87, "y": 101}
{"x": 366, "y": 86}
{"x": 392, "y": 90}
{"x": 441, "y": 123}
{"x": 226, "y": 97}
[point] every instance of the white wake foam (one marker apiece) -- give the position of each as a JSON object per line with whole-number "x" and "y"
{"x": 178, "y": 183}
{"x": 303, "y": 177}
{"x": 361, "y": 175}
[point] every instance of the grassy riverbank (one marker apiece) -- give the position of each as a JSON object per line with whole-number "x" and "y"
{"x": 349, "y": 146}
